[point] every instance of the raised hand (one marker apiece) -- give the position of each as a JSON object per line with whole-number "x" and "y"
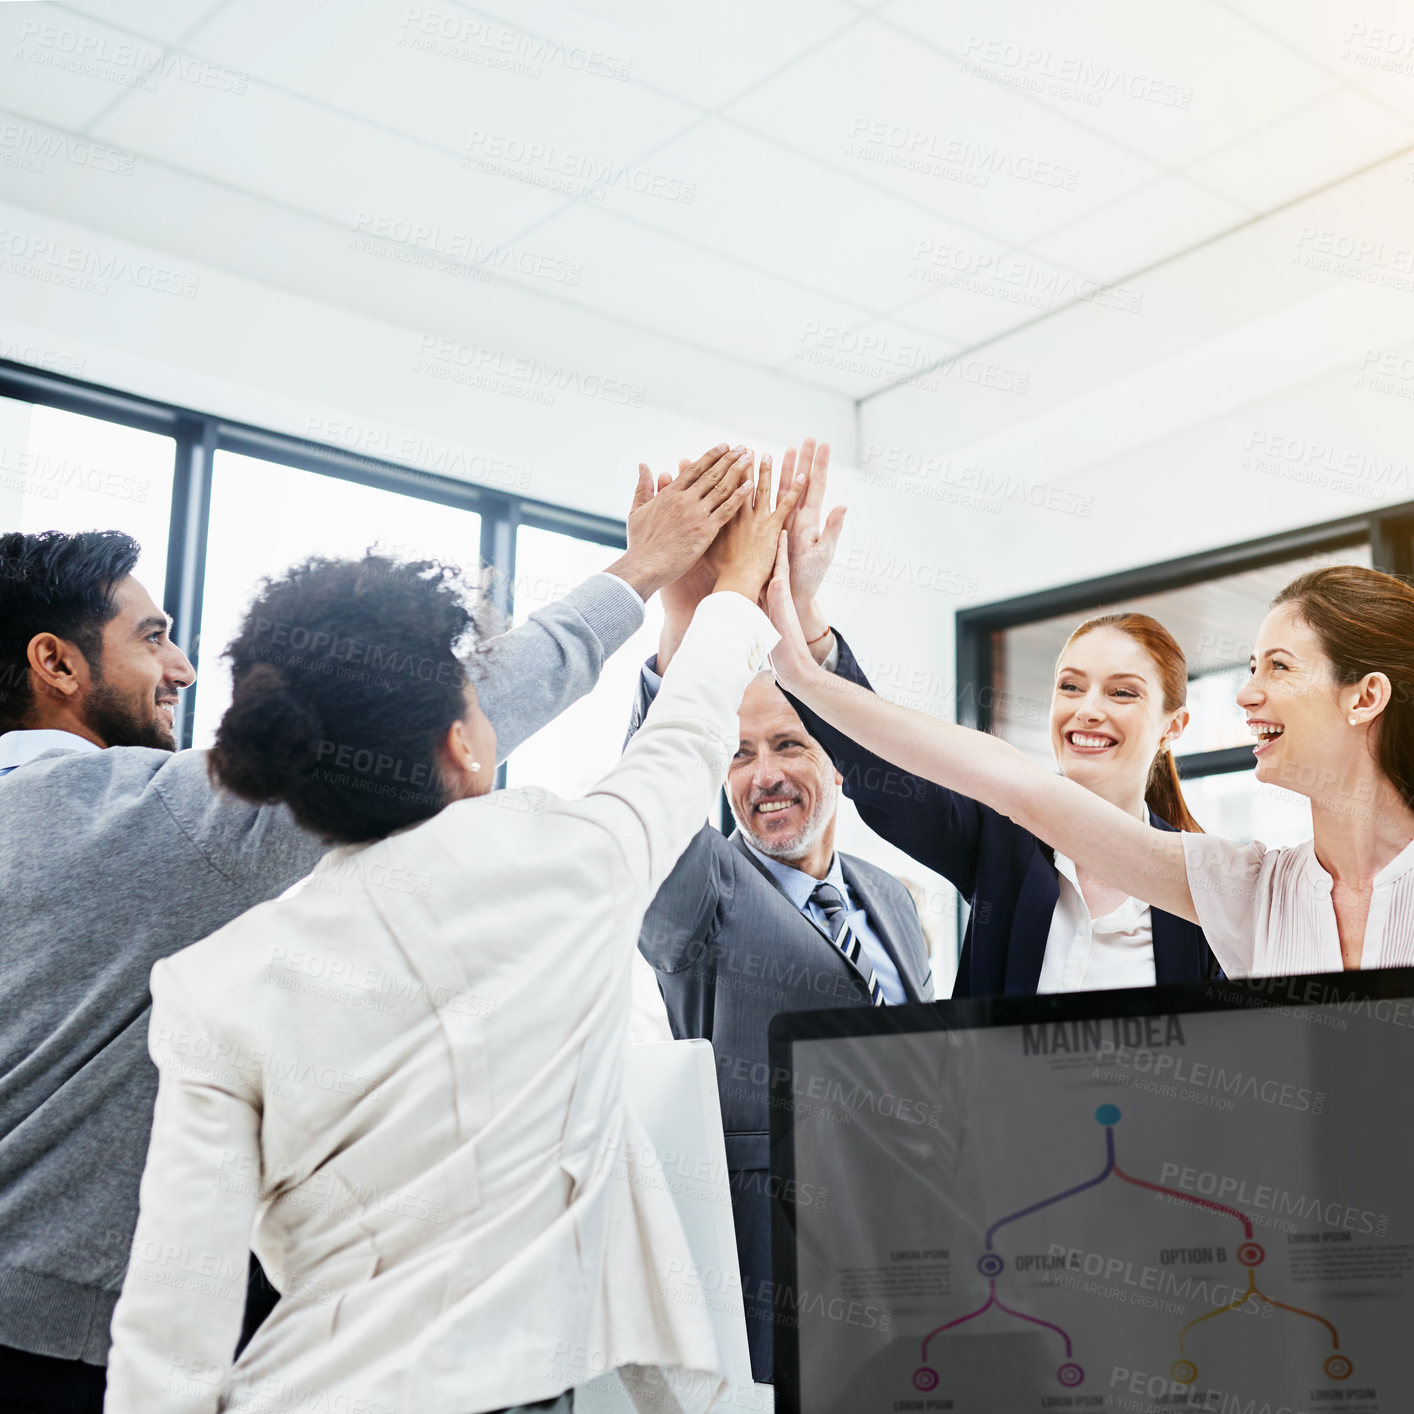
{"x": 791, "y": 659}
{"x": 689, "y": 589}
{"x": 745, "y": 550}
{"x": 672, "y": 522}
{"x": 812, "y": 545}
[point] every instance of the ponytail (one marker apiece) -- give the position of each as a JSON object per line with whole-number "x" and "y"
{"x": 1164, "y": 796}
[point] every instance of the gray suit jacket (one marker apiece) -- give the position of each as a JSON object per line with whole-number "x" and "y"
{"x": 110, "y": 860}
{"x": 731, "y": 951}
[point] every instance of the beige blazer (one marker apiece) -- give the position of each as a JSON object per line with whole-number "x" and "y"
{"x": 403, "y": 1085}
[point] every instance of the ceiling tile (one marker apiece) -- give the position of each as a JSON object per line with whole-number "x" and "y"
{"x": 1305, "y": 151}
{"x": 976, "y": 291}
{"x": 705, "y": 54}
{"x": 861, "y": 358}
{"x": 725, "y": 188}
{"x": 1142, "y": 229}
{"x": 448, "y": 75}
{"x": 164, "y": 21}
{"x": 694, "y": 295}
{"x": 63, "y": 68}
{"x": 361, "y": 179}
{"x": 910, "y": 124}
{"x": 1171, "y": 82}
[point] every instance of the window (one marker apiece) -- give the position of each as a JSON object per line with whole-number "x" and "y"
{"x": 63, "y": 471}
{"x": 265, "y": 517}
{"x": 576, "y": 749}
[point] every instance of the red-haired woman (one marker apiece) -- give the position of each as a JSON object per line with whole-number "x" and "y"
{"x": 1041, "y": 920}
{"x": 1331, "y": 702}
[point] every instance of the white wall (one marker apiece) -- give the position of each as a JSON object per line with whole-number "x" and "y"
{"x": 1264, "y": 383}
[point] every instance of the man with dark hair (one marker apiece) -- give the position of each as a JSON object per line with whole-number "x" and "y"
{"x": 67, "y": 599}
{"x": 114, "y": 854}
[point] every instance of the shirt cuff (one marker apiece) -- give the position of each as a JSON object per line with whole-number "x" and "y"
{"x": 832, "y": 658}
{"x": 609, "y": 574}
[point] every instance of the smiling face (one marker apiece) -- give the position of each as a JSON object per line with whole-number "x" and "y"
{"x": 132, "y": 699}
{"x": 1292, "y": 703}
{"x": 1108, "y": 719}
{"x": 782, "y": 785}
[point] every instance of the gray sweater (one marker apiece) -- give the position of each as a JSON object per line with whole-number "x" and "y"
{"x": 110, "y": 860}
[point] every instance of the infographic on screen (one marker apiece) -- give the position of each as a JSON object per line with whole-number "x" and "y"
{"x": 1204, "y": 1211}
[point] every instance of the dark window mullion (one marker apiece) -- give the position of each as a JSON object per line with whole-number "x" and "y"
{"x": 188, "y": 534}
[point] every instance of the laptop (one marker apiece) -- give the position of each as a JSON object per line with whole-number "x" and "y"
{"x": 1157, "y": 1199}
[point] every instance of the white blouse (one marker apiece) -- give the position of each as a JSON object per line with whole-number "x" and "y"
{"x": 1091, "y": 955}
{"x": 1268, "y": 912}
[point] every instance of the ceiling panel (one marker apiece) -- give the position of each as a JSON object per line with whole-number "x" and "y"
{"x": 1140, "y": 229}
{"x": 453, "y": 77}
{"x": 699, "y": 296}
{"x": 63, "y": 68}
{"x": 704, "y": 54}
{"x": 739, "y": 194}
{"x": 1305, "y": 150}
{"x": 858, "y": 358}
{"x": 913, "y": 125}
{"x": 976, "y": 291}
{"x": 164, "y": 21}
{"x": 843, "y": 191}
{"x": 1170, "y": 82}
{"x": 358, "y": 177}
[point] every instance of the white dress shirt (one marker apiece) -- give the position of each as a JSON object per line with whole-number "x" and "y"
{"x": 1268, "y": 912}
{"x": 408, "y": 1077}
{"x": 17, "y": 748}
{"x": 1085, "y": 954}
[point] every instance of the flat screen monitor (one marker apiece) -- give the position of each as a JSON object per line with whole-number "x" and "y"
{"x": 1150, "y": 1200}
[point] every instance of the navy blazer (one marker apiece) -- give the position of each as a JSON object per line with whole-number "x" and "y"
{"x": 1003, "y": 870}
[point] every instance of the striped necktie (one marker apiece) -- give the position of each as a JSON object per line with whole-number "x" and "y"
{"x": 827, "y": 897}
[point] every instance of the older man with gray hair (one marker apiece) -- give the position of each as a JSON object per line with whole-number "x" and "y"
{"x": 772, "y": 918}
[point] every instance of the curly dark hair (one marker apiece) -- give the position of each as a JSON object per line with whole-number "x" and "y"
{"x": 60, "y": 584}
{"x": 346, "y": 675}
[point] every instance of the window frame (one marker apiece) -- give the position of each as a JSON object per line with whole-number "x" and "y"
{"x": 198, "y": 436}
{"x": 1388, "y": 530}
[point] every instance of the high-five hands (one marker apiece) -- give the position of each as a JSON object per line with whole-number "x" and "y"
{"x": 746, "y": 547}
{"x": 672, "y": 522}
{"x": 791, "y": 659}
{"x": 812, "y": 545}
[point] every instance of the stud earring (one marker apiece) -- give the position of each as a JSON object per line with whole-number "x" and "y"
{"x": 1352, "y": 721}
{"x": 476, "y": 765}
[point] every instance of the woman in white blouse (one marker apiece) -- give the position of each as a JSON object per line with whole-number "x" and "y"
{"x": 1331, "y": 704}
{"x": 407, "y": 1077}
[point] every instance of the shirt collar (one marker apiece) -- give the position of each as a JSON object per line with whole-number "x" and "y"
{"x": 796, "y": 884}
{"x": 18, "y": 748}
{"x": 1318, "y": 877}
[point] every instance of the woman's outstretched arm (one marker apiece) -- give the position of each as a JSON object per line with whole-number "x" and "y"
{"x": 1131, "y": 855}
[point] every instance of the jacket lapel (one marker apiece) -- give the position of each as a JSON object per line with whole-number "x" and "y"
{"x": 1031, "y": 923}
{"x": 805, "y": 918}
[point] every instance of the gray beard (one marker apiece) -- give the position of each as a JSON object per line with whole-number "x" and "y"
{"x": 803, "y": 843}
